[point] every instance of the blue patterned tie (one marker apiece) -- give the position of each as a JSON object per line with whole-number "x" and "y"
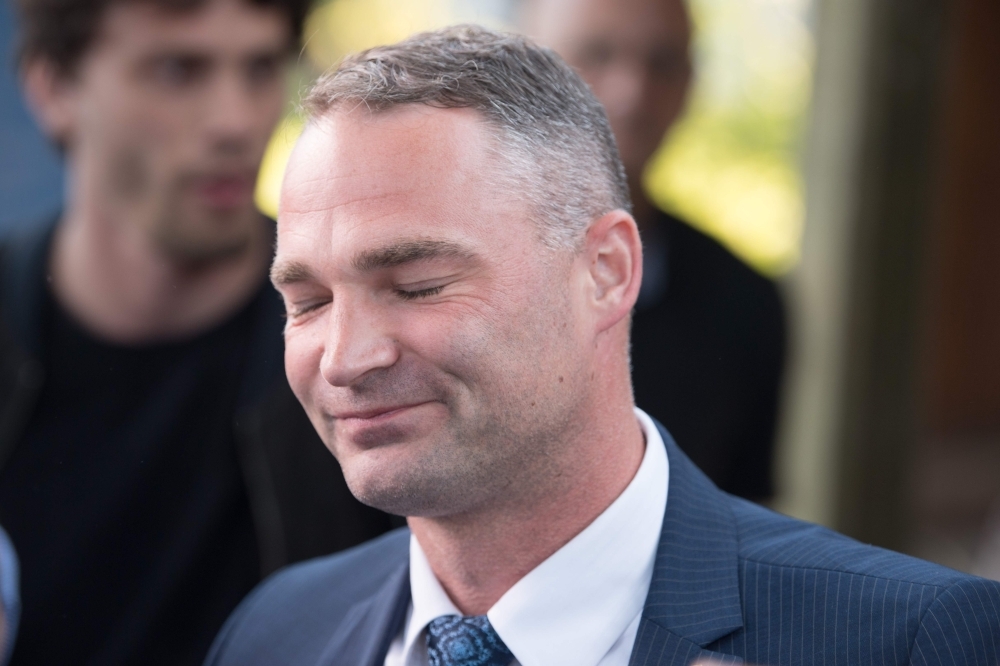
{"x": 465, "y": 641}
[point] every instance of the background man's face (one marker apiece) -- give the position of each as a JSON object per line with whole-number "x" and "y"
{"x": 169, "y": 115}
{"x": 634, "y": 55}
{"x": 431, "y": 338}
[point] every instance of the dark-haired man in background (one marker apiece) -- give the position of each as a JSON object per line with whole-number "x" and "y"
{"x": 708, "y": 335}
{"x": 153, "y": 461}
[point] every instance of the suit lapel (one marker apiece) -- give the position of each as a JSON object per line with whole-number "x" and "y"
{"x": 694, "y": 598}
{"x": 364, "y": 636}
{"x": 657, "y": 646}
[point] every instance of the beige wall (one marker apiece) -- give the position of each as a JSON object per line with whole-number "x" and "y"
{"x": 817, "y": 291}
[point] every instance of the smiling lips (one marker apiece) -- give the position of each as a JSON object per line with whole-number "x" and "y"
{"x": 375, "y": 414}
{"x": 374, "y": 427}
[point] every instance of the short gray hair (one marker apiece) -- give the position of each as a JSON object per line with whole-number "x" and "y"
{"x": 552, "y": 131}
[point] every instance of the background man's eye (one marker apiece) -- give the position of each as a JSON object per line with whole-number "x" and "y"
{"x": 263, "y": 70}
{"x": 179, "y": 71}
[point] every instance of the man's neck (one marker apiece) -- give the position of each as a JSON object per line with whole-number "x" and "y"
{"x": 477, "y": 557}
{"x": 120, "y": 286}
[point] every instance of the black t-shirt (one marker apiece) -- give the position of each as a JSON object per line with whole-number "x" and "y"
{"x": 125, "y": 499}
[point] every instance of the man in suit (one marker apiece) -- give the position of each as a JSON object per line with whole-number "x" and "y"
{"x": 708, "y": 332}
{"x": 459, "y": 265}
{"x": 154, "y": 463}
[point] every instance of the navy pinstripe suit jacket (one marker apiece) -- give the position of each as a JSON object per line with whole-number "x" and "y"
{"x": 733, "y": 581}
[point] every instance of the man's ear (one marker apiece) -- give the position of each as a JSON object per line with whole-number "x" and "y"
{"x": 613, "y": 252}
{"x": 51, "y": 97}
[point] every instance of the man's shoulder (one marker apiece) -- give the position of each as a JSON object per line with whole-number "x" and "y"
{"x": 341, "y": 579}
{"x": 291, "y": 616}
{"x": 841, "y": 597}
{"x": 696, "y": 255}
{"x": 769, "y": 539}
{"x": 709, "y": 284}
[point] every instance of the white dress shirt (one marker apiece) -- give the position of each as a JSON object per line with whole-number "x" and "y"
{"x": 581, "y": 606}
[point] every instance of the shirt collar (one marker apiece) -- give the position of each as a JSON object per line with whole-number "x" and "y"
{"x": 573, "y": 606}
{"x": 429, "y": 598}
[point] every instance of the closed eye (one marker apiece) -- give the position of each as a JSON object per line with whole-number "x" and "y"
{"x": 419, "y": 293}
{"x": 306, "y": 308}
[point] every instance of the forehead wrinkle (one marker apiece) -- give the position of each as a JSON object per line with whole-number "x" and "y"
{"x": 408, "y": 251}
{"x": 313, "y": 196}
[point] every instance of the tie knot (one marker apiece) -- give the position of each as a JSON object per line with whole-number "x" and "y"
{"x": 465, "y": 641}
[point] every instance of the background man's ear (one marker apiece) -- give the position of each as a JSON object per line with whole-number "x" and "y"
{"x": 51, "y": 97}
{"x": 614, "y": 254}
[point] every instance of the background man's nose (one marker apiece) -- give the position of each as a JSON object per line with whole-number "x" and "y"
{"x": 624, "y": 89}
{"x": 233, "y": 114}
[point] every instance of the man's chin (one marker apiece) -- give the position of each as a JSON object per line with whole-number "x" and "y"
{"x": 396, "y": 479}
{"x": 395, "y": 496}
{"x": 211, "y": 239}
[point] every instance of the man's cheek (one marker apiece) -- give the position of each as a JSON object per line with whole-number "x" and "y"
{"x": 130, "y": 174}
{"x": 300, "y": 370}
{"x": 310, "y": 397}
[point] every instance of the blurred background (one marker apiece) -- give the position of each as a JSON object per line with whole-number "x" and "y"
{"x": 848, "y": 148}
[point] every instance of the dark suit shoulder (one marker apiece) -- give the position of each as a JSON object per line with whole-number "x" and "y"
{"x": 811, "y": 596}
{"x": 961, "y": 626}
{"x": 740, "y": 309}
{"x": 702, "y": 266}
{"x": 291, "y": 616}
{"x": 708, "y": 358}
{"x": 770, "y": 539}
{"x": 342, "y": 578}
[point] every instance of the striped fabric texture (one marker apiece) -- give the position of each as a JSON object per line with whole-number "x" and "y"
{"x": 736, "y": 582}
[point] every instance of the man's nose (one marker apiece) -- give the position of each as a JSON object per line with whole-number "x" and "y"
{"x": 357, "y": 342}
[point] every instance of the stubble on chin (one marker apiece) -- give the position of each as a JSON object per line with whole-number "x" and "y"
{"x": 497, "y": 442}
{"x": 430, "y": 474}
{"x": 199, "y": 237}
{"x": 455, "y": 473}
{"x": 186, "y": 244}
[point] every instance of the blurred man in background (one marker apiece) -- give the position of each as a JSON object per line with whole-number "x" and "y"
{"x": 708, "y": 334}
{"x": 154, "y": 463}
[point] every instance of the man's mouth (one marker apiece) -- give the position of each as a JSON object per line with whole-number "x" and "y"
{"x": 374, "y": 414}
{"x": 225, "y": 191}
{"x": 385, "y": 424}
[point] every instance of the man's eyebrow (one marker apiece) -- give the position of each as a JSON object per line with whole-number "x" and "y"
{"x": 404, "y": 252}
{"x": 289, "y": 272}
